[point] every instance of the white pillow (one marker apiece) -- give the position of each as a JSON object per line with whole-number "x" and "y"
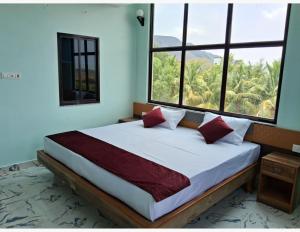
{"x": 172, "y": 116}
{"x": 239, "y": 125}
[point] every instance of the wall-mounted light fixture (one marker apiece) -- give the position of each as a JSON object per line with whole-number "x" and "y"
{"x": 140, "y": 16}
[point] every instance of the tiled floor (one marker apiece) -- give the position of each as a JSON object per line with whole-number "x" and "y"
{"x": 30, "y": 198}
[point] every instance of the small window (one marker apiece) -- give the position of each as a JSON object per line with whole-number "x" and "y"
{"x": 78, "y": 61}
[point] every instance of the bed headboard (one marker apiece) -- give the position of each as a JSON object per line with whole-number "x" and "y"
{"x": 270, "y": 137}
{"x": 138, "y": 108}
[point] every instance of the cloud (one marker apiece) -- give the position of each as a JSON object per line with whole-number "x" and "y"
{"x": 196, "y": 32}
{"x": 274, "y": 13}
{"x": 193, "y": 33}
{"x": 177, "y": 32}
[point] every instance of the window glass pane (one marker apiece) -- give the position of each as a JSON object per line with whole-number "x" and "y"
{"x": 66, "y": 48}
{"x": 252, "y": 81}
{"x": 91, "y": 90}
{"x": 166, "y": 76}
{"x": 258, "y": 22}
{"x": 91, "y": 45}
{"x": 77, "y": 73}
{"x": 206, "y": 23}
{"x": 203, "y": 78}
{"x": 168, "y": 25}
{"x": 83, "y": 74}
{"x": 67, "y": 69}
{"x": 75, "y": 45}
{"x": 81, "y": 45}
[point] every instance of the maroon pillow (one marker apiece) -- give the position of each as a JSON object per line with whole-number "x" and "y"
{"x": 214, "y": 130}
{"x": 153, "y": 118}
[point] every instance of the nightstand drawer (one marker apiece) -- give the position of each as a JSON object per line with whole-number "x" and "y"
{"x": 278, "y": 169}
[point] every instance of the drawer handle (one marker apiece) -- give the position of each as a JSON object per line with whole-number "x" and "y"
{"x": 276, "y": 170}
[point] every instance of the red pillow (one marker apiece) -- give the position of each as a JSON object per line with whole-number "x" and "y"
{"x": 214, "y": 130}
{"x": 153, "y": 118}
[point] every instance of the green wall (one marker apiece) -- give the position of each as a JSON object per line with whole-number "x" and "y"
{"x": 29, "y": 107}
{"x": 142, "y": 34}
{"x": 289, "y": 109}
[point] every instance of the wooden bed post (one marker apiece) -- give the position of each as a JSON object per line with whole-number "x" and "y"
{"x": 249, "y": 186}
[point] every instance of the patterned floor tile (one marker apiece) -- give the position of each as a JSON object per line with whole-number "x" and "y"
{"x": 30, "y": 198}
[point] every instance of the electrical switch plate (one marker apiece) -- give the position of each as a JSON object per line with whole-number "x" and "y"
{"x": 296, "y": 148}
{"x": 10, "y": 75}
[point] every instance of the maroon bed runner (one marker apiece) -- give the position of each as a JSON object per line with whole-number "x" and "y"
{"x": 161, "y": 182}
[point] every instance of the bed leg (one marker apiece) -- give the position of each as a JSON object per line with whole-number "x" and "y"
{"x": 249, "y": 186}
{"x": 58, "y": 181}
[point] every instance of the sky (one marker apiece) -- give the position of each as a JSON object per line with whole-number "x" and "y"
{"x": 207, "y": 25}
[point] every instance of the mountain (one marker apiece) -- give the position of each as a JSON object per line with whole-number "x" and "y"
{"x": 166, "y": 41}
{"x": 170, "y": 41}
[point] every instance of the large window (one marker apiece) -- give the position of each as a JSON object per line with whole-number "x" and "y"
{"x": 78, "y": 69}
{"x": 224, "y": 58}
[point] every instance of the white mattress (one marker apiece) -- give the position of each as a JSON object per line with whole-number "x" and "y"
{"x": 183, "y": 150}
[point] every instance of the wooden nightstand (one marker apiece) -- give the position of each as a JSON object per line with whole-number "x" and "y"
{"x": 279, "y": 181}
{"x": 129, "y": 119}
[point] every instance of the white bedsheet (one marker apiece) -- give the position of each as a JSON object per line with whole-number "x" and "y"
{"x": 182, "y": 150}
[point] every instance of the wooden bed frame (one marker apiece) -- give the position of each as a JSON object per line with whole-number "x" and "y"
{"x": 124, "y": 216}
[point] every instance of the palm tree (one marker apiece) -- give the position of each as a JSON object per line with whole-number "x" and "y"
{"x": 241, "y": 81}
{"x": 202, "y": 84}
{"x": 166, "y": 77}
{"x": 268, "y": 105}
{"x": 251, "y": 88}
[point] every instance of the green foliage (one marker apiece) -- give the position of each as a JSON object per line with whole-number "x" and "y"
{"x": 166, "y": 76}
{"x": 251, "y": 87}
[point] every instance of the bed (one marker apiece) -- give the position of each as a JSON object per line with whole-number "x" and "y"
{"x": 183, "y": 150}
